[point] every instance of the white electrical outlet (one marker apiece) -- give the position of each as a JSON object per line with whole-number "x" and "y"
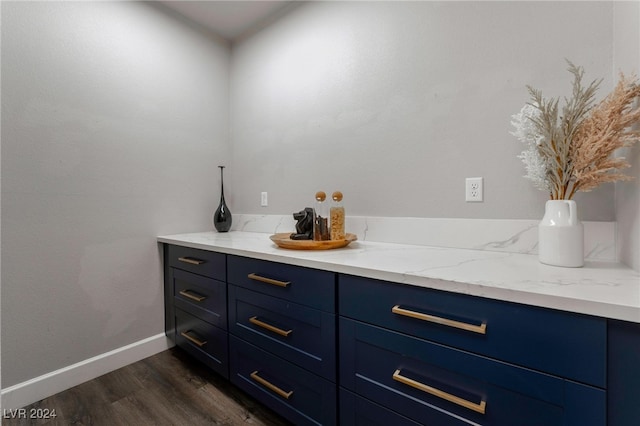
{"x": 263, "y": 199}
{"x": 473, "y": 189}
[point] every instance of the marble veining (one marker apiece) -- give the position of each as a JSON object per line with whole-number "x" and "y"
{"x": 600, "y": 288}
{"x": 511, "y": 241}
{"x": 511, "y": 236}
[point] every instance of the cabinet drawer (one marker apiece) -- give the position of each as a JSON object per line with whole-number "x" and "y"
{"x": 564, "y": 344}
{"x": 302, "y": 335}
{"x": 200, "y": 262}
{"x": 203, "y": 297}
{"x": 296, "y": 394}
{"x": 624, "y": 373}
{"x": 435, "y": 384}
{"x": 310, "y": 287}
{"x": 358, "y": 411}
{"x": 204, "y": 341}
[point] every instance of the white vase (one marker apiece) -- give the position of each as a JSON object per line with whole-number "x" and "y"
{"x": 561, "y": 235}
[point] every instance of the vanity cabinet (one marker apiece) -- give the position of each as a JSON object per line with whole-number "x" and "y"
{"x": 623, "y": 392}
{"x": 356, "y": 410}
{"x": 196, "y": 304}
{"x": 282, "y": 321}
{"x": 322, "y": 347}
{"x": 442, "y": 358}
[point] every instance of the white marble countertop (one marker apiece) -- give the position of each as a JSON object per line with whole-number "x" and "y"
{"x": 604, "y": 289}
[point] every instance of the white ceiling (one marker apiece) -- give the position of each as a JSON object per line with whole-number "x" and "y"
{"x": 229, "y": 19}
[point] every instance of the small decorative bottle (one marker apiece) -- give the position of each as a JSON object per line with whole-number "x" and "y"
{"x": 320, "y": 218}
{"x": 337, "y": 217}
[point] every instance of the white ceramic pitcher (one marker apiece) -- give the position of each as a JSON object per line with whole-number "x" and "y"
{"x": 561, "y": 235}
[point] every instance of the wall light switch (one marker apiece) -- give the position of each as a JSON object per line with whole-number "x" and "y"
{"x": 264, "y": 202}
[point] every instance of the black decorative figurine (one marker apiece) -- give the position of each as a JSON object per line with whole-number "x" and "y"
{"x": 304, "y": 226}
{"x": 222, "y": 216}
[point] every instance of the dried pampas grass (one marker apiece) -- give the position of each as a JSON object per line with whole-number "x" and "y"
{"x": 571, "y": 149}
{"x": 608, "y": 127}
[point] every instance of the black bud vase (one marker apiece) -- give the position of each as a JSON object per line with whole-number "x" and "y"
{"x": 222, "y": 216}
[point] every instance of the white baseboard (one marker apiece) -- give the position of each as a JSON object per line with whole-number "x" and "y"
{"x": 25, "y": 393}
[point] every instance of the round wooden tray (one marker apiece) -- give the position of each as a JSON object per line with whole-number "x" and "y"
{"x": 284, "y": 241}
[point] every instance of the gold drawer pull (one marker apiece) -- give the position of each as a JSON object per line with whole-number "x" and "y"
{"x": 270, "y": 386}
{"x": 480, "y": 329}
{"x": 191, "y": 260}
{"x": 195, "y": 340}
{"x": 480, "y": 408}
{"x": 257, "y": 277}
{"x": 256, "y": 321}
{"x": 193, "y": 296}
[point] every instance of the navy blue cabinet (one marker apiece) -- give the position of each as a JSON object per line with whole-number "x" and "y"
{"x": 325, "y": 348}
{"x": 196, "y": 304}
{"x": 201, "y": 262}
{"x": 204, "y": 341}
{"x": 297, "y": 333}
{"x": 201, "y": 296}
{"x": 568, "y": 345}
{"x": 623, "y": 391}
{"x": 282, "y": 322}
{"x": 447, "y": 359}
{"x": 356, "y": 410}
{"x": 309, "y": 287}
{"x": 297, "y": 394}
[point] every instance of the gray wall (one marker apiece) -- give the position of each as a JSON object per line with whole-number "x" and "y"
{"x": 627, "y": 59}
{"x": 114, "y": 117}
{"x": 395, "y": 103}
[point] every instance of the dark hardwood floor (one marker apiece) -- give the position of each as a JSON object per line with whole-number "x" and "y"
{"x": 169, "y": 388}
